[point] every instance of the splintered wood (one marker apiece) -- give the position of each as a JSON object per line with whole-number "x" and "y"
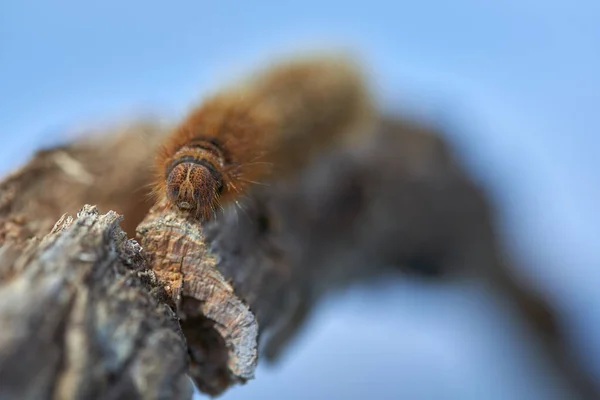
{"x": 204, "y": 300}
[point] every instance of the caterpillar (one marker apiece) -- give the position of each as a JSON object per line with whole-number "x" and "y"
{"x": 267, "y": 125}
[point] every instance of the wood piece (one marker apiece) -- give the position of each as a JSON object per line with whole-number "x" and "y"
{"x": 399, "y": 200}
{"x": 82, "y": 317}
{"x": 222, "y": 332}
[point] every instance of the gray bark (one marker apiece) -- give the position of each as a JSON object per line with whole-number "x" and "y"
{"x": 82, "y": 318}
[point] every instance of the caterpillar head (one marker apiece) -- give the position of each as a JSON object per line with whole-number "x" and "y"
{"x": 193, "y": 185}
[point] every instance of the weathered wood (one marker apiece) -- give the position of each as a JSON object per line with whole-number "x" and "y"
{"x": 399, "y": 202}
{"x": 81, "y": 315}
{"x": 222, "y": 332}
{"x": 82, "y": 318}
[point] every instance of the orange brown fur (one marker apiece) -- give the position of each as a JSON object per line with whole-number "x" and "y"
{"x": 269, "y": 125}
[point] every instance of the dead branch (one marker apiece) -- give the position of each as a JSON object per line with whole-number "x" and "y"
{"x": 398, "y": 202}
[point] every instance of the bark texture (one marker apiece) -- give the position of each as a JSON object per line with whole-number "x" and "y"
{"x": 82, "y": 318}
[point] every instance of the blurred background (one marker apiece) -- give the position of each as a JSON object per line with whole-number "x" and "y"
{"x": 515, "y": 85}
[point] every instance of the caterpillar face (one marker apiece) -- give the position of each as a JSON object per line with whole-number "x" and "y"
{"x": 193, "y": 178}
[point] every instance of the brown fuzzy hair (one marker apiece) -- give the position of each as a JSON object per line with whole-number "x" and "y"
{"x": 268, "y": 125}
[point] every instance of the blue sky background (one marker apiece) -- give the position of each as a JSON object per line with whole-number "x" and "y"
{"x": 518, "y": 81}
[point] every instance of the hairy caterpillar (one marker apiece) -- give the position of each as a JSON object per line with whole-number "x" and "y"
{"x": 270, "y": 124}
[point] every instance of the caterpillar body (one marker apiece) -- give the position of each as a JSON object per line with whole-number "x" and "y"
{"x": 269, "y": 125}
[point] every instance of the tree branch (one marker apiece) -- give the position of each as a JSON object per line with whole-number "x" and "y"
{"x": 397, "y": 202}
